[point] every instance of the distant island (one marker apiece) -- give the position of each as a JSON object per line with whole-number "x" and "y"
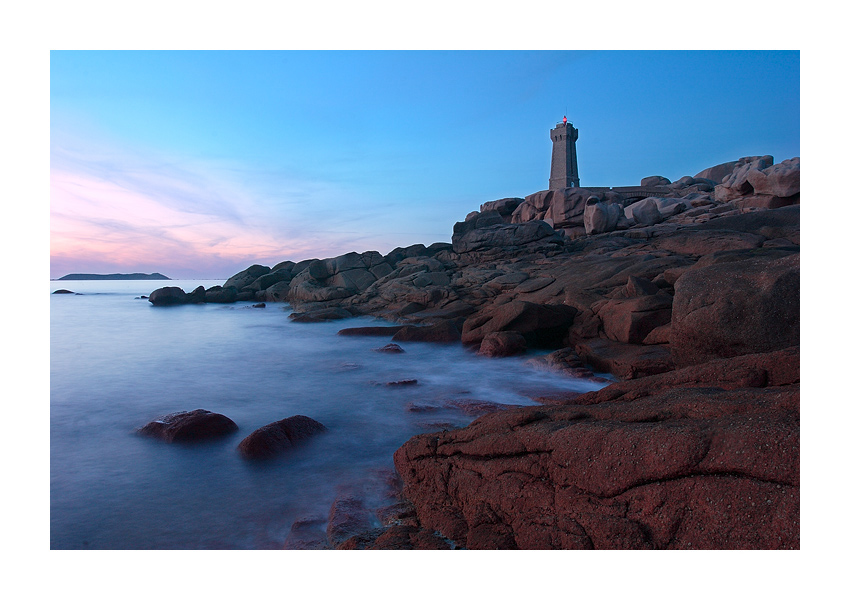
{"x": 85, "y": 276}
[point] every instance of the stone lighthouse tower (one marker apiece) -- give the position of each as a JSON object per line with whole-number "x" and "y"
{"x": 564, "y": 172}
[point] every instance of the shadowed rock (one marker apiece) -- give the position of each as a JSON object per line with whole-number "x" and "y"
{"x": 446, "y": 331}
{"x": 502, "y": 343}
{"x": 168, "y": 296}
{"x": 737, "y": 307}
{"x": 320, "y": 315}
{"x": 540, "y": 324}
{"x": 348, "y": 517}
{"x": 274, "y": 438}
{"x": 245, "y": 278}
{"x": 390, "y": 349}
{"x": 376, "y": 331}
{"x": 307, "y": 534}
{"x": 189, "y": 426}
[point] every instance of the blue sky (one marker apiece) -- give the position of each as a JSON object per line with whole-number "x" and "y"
{"x": 199, "y": 163}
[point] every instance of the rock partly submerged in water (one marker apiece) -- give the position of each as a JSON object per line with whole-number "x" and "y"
{"x": 189, "y": 426}
{"x": 173, "y": 295}
{"x": 274, "y": 438}
{"x": 502, "y": 343}
{"x": 390, "y": 349}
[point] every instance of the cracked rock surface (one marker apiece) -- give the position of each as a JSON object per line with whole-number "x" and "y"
{"x": 702, "y": 457}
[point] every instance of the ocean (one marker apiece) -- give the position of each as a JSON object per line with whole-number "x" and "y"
{"x": 117, "y": 363}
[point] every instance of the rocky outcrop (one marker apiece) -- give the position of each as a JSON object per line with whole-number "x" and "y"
{"x": 704, "y": 457}
{"x": 348, "y": 517}
{"x": 446, "y": 331}
{"x": 221, "y": 294}
{"x": 504, "y": 237}
{"x": 247, "y": 277}
{"x": 320, "y": 315}
{"x": 390, "y": 349}
{"x": 689, "y": 296}
{"x": 541, "y": 325}
{"x": 756, "y": 182}
{"x": 740, "y": 302}
{"x": 189, "y": 426}
{"x": 502, "y": 343}
{"x": 272, "y": 439}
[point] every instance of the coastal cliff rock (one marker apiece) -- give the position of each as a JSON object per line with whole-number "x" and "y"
{"x": 745, "y": 302}
{"x": 703, "y": 457}
{"x": 687, "y": 292}
{"x": 540, "y": 324}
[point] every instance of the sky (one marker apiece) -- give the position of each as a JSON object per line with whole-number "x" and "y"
{"x": 197, "y": 164}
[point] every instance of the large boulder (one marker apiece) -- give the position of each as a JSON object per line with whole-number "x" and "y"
{"x": 781, "y": 180}
{"x": 644, "y": 212}
{"x": 247, "y": 277}
{"x": 502, "y": 236}
{"x": 654, "y": 181}
{"x": 502, "y": 343}
{"x": 189, "y": 426}
{"x": 445, "y": 331}
{"x": 533, "y": 208}
{"x": 624, "y": 360}
{"x": 339, "y": 277}
{"x": 168, "y": 296}
{"x": 304, "y": 288}
{"x": 272, "y": 439}
{"x": 265, "y": 281}
{"x": 717, "y": 173}
{"x": 702, "y": 458}
{"x": 736, "y": 184}
{"x": 600, "y": 217}
{"x": 652, "y": 210}
{"x": 277, "y": 292}
{"x": 505, "y": 207}
{"x": 746, "y": 302}
{"x": 320, "y": 315}
{"x": 630, "y": 320}
{"x": 221, "y": 294}
{"x": 566, "y": 207}
{"x": 542, "y": 325}
{"x": 196, "y": 296}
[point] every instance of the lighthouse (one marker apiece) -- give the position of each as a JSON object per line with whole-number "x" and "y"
{"x": 564, "y": 171}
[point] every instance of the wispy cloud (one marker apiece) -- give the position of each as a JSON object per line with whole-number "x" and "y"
{"x": 112, "y": 209}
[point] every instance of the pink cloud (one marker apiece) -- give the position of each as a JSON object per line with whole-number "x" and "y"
{"x": 116, "y": 211}
{"x": 97, "y": 221}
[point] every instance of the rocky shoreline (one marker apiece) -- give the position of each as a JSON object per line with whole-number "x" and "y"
{"x": 690, "y": 297}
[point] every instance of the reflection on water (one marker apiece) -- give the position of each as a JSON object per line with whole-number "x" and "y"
{"x": 117, "y": 363}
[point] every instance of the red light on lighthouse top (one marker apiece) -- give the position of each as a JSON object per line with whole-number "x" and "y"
{"x": 565, "y": 120}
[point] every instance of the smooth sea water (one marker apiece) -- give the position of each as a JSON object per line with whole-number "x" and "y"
{"x": 117, "y": 363}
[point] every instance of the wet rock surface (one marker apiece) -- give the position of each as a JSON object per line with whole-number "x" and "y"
{"x": 273, "y": 439}
{"x": 189, "y": 426}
